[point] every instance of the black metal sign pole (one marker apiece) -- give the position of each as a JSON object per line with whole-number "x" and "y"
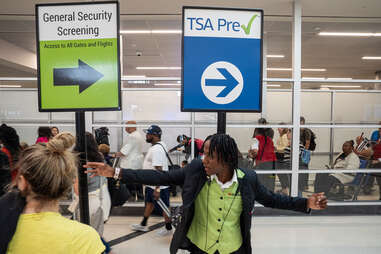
{"x": 82, "y": 177}
{"x": 221, "y": 122}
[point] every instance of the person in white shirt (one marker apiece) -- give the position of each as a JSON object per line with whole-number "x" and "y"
{"x": 156, "y": 158}
{"x": 131, "y": 156}
{"x": 346, "y": 160}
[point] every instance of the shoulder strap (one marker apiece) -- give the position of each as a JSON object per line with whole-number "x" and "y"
{"x": 169, "y": 159}
{"x": 263, "y": 149}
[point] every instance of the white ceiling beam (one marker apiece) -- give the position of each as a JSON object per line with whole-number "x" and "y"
{"x": 17, "y": 57}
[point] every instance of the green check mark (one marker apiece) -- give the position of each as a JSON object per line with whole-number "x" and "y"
{"x": 248, "y": 28}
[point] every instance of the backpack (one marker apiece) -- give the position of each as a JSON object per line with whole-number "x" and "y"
{"x": 198, "y": 143}
{"x": 101, "y": 135}
{"x": 312, "y": 142}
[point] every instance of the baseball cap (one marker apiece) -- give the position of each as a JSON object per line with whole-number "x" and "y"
{"x": 262, "y": 121}
{"x": 153, "y": 129}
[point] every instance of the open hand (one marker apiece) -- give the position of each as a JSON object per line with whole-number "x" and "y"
{"x": 318, "y": 201}
{"x": 99, "y": 169}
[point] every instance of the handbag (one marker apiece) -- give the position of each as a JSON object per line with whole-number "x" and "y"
{"x": 171, "y": 166}
{"x": 306, "y": 156}
{"x": 119, "y": 192}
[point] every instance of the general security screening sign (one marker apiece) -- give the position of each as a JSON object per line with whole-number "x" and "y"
{"x": 78, "y": 56}
{"x": 222, "y": 60}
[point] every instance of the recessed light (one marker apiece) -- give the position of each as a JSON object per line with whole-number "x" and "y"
{"x": 275, "y": 56}
{"x": 132, "y": 77}
{"x": 313, "y": 78}
{"x": 10, "y": 86}
{"x": 339, "y": 79}
{"x": 371, "y": 58}
{"x": 314, "y": 69}
{"x": 338, "y": 86}
{"x": 350, "y": 34}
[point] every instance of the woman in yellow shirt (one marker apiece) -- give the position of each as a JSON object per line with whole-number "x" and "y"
{"x": 46, "y": 173}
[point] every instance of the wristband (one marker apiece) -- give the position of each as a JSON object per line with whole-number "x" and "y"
{"x": 116, "y": 174}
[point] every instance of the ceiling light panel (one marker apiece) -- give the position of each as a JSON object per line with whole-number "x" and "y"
{"x": 338, "y": 86}
{"x": 10, "y": 86}
{"x": 371, "y": 58}
{"x": 350, "y": 34}
{"x": 275, "y": 56}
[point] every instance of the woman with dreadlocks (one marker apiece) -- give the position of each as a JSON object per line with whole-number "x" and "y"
{"x": 11, "y": 146}
{"x": 218, "y": 198}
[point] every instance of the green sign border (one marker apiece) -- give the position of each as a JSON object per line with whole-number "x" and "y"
{"x": 40, "y": 109}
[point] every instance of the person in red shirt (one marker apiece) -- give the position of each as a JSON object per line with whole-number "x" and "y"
{"x": 264, "y": 154}
{"x": 11, "y": 146}
{"x": 44, "y": 134}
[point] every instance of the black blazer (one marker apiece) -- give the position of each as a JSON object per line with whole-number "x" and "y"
{"x": 193, "y": 177}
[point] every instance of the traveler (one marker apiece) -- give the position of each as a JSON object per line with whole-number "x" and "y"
{"x": 218, "y": 198}
{"x": 46, "y": 174}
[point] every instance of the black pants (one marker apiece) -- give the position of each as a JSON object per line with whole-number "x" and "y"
{"x": 284, "y": 179}
{"x": 378, "y": 177}
{"x": 268, "y": 180}
{"x": 136, "y": 190}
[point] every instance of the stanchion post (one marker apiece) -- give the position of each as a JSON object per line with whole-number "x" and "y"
{"x": 82, "y": 177}
{"x": 221, "y": 122}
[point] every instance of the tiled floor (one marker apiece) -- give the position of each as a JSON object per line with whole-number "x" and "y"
{"x": 270, "y": 235}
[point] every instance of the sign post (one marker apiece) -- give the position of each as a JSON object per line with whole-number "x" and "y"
{"x": 222, "y": 61}
{"x": 78, "y": 67}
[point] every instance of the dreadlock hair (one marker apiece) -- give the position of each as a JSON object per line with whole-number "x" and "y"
{"x": 226, "y": 149}
{"x": 203, "y": 144}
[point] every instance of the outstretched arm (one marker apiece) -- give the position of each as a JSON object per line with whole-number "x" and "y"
{"x": 269, "y": 199}
{"x": 149, "y": 177}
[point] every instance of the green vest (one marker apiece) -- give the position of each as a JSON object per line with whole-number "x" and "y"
{"x": 209, "y": 217}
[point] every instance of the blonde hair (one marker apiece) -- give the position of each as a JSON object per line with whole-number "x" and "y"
{"x": 104, "y": 149}
{"x": 49, "y": 168}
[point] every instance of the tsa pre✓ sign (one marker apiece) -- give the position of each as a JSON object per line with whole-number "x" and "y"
{"x": 222, "y": 60}
{"x": 78, "y": 56}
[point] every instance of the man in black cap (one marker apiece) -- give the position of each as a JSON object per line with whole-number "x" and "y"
{"x": 156, "y": 158}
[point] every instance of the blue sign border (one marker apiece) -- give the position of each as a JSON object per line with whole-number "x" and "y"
{"x": 182, "y": 64}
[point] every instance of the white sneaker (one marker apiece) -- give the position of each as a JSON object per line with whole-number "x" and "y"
{"x": 138, "y": 227}
{"x": 164, "y": 232}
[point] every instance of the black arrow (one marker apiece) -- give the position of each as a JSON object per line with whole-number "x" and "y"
{"x": 83, "y": 76}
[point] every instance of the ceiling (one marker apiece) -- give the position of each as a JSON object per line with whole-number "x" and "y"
{"x": 340, "y": 56}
